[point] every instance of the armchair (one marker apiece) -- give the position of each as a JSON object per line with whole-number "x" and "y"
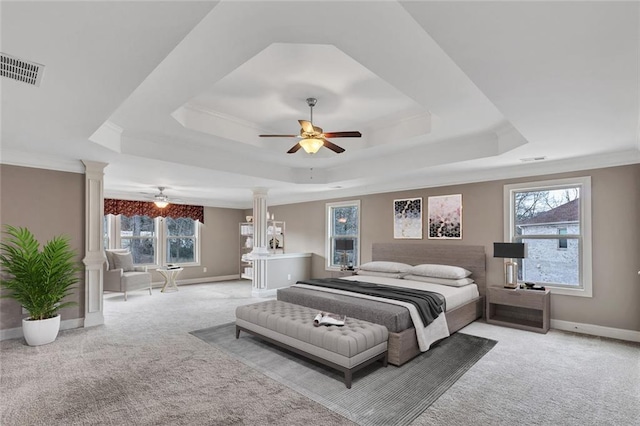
{"x": 120, "y": 275}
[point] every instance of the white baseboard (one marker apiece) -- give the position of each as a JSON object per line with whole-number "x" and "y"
{"x": 597, "y": 330}
{"x": 256, "y": 292}
{"x": 159, "y": 284}
{"x": 209, "y": 279}
{"x": 15, "y": 333}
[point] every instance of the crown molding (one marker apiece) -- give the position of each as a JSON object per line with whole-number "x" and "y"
{"x": 41, "y": 161}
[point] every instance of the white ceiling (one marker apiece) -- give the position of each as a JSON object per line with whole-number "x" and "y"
{"x": 175, "y": 94}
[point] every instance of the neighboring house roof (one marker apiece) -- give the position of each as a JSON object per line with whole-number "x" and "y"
{"x": 568, "y": 212}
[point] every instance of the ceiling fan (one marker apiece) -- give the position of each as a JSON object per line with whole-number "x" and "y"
{"x": 313, "y": 138}
{"x": 161, "y": 200}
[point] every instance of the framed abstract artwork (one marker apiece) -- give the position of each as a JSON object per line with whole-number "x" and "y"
{"x": 445, "y": 217}
{"x": 407, "y": 218}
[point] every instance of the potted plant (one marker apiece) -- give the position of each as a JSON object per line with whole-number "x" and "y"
{"x": 38, "y": 279}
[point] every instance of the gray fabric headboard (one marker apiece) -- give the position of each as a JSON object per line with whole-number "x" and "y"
{"x": 469, "y": 257}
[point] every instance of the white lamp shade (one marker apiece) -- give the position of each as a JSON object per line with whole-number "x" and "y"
{"x": 311, "y": 146}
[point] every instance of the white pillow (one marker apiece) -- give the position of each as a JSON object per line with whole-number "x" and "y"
{"x": 381, "y": 274}
{"x": 444, "y": 281}
{"x": 123, "y": 261}
{"x": 382, "y": 266}
{"x": 439, "y": 271}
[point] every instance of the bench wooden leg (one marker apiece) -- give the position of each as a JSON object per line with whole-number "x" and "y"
{"x": 347, "y": 379}
{"x": 237, "y": 332}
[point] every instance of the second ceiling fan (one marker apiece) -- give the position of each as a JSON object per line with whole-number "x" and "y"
{"x": 313, "y": 138}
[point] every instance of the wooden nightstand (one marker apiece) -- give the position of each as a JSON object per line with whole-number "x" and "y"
{"x": 344, "y": 273}
{"x": 519, "y": 308}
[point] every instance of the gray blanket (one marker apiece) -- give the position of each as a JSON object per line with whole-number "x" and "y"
{"x": 429, "y": 304}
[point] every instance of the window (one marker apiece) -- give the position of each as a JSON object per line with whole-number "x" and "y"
{"x": 562, "y": 242}
{"x": 181, "y": 240}
{"x": 553, "y": 218}
{"x": 158, "y": 241}
{"x": 343, "y": 229}
{"x": 138, "y": 234}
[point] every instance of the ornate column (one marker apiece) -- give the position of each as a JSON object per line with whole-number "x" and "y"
{"x": 260, "y": 250}
{"x": 94, "y": 254}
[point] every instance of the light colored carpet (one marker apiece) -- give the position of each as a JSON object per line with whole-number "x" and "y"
{"x": 143, "y": 367}
{"x": 556, "y": 378}
{"x": 379, "y": 396}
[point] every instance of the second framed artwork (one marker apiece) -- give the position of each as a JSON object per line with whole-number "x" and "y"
{"x": 445, "y": 217}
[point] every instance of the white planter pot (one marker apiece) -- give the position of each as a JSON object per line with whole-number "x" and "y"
{"x": 40, "y": 332}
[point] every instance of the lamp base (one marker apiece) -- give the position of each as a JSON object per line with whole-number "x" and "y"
{"x": 511, "y": 275}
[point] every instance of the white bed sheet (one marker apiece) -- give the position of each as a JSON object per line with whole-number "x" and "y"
{"x": 454, "y": 296}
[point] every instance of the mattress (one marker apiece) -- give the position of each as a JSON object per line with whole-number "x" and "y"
{"x": 454, "y": 296}
{"x": 395, "y": 318}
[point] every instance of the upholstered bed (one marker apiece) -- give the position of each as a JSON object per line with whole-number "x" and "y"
{"x": 462, "y": 305}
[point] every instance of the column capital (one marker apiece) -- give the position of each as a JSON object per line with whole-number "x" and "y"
{"x": 260, "y": 192}
{"x": 94, "y": 166}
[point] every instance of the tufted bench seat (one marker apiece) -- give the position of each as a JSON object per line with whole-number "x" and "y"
{"x": 346, "y": 348}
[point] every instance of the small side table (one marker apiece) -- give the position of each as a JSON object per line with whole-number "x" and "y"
{"x": 169, "y": 276}
{"x": 519, "y": 308}
{"x": 343, "y": 273}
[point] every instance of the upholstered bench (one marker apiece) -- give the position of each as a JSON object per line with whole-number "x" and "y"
{"x": 346, "y": 348}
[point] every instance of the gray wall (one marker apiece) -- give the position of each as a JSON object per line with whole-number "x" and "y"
{"x": 219, "y": 247}
{"x": 49, "y": 203}
{"x": 616, "y": 238}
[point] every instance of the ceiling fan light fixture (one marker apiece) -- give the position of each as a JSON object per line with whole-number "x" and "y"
{"x": 160, "y": 200}
{"x": 311, "y": 145}
{"x": 313, "y": 137}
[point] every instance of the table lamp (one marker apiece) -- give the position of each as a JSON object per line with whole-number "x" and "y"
{"x": 510, "y": 251}
{"x": 345, "y": 245}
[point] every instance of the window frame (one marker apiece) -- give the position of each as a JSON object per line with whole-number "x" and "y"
{"x": 329, "y": 237}
{"x": 585, "y": 289}
{"x": 167, "y": 237}
{"x": 107, "y": 225}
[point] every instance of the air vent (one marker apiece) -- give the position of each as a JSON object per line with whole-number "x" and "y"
{"x": 21, "y": 70}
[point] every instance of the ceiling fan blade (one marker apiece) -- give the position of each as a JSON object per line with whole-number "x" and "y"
{"x": 306, "y": 126}
{"x": 350, "y": 134}
{"x": 294, "y": 149}
{"x": 333, "y": 147}
{"x": 278, "y": 136}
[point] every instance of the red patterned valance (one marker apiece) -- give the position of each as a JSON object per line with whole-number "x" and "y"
{"x": 145, "y": 208}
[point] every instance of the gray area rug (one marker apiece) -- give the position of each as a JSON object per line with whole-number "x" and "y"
{"x": 379, "y": 396}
